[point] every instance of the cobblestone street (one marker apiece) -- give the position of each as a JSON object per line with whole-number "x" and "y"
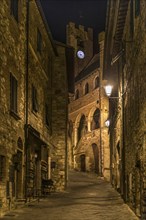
{"x": 87, "y": 198}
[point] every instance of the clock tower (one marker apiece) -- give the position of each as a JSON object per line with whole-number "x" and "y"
{"x": 82, "y": 42}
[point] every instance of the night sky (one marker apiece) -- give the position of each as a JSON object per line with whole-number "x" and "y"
{"x": 90, "y": 13}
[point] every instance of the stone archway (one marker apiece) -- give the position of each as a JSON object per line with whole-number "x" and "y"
{"x": 94, "y": 119}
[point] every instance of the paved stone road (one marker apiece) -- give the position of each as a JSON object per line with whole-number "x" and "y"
{"x": 87, "y": 198}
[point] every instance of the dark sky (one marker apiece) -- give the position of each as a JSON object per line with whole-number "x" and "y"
{"x": 90, "y": 13}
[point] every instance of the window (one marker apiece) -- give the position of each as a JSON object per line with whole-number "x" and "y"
{"x": 137, "y": 8}
{"x": 131, "y": 19}
{"x": 34, "y": 99}
{"x": 96, "y": 120}
{"x": 96, "y": 83}
{"x": 82, "y": 129}
{"x": 86, "y": 88}
{"x": 13, "y": 93}
{"x": 39, "y": 41}
{"x": 80, "y": 43}
{"x": 14, "y": 9}
{"x": 2, "y": 168}
{"x": 77, "y": 94}
{"x": 44, "y": 153}
{"x": 47, "y": 121}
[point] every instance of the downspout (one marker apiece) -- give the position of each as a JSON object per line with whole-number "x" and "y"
{"x": 26, "y": 98}
{"x": 66, "y": 137}
{"x": 101, "y": 150}
{"x": 123, "y": 139}
{"x": 66, "y": 148}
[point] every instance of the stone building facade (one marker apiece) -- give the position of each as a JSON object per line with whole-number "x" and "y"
{"x": 125, "y": 49}
{"x": 88, "y": 140}
{"x": 33, "y": 109}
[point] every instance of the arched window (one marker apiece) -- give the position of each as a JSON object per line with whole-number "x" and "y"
{"x": 86, "y": 88}
{"x": 77, "y": 94}
{"x": 82, "y": 129}
{"x": 96, "y": 157}
{"x": 96, "y": 120}
{"x": 96, "y": 83}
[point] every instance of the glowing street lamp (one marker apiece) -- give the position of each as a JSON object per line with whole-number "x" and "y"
{"x": 108, "y": 90}
{"x": 107, "y": 123}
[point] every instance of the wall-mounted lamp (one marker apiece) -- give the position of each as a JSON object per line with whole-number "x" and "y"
{"x": 35, "y": 155}
{"x": 108, "y": 90}
{"x": 107, "y": 123}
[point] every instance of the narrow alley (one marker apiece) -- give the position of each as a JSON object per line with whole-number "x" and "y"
{"x": 87, "y": 197}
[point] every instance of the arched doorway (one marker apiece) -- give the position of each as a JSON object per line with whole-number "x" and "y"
{"x": 83, "y": 162}
{"x": 96, "y": 157}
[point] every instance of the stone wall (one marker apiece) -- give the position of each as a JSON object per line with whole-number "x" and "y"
{"x": 13, "y": 55}
{"x": 33, "y": 134}
{"x": 127, "y": 131}
{"x": 135, "y": 107}
{"x": 59, "y": 118}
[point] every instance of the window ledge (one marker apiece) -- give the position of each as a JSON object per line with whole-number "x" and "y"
{"x": 15, "y": 115}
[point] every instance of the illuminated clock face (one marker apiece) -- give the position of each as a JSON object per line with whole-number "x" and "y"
{"x": 80, "y": 54}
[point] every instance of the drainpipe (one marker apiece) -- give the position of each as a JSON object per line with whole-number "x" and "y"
{"x": 101, "y": 150}
{"x": 26, "y": 98}
{"x": 66, "y": 133}
{"x": 66, "y": 147}
{"x": 123, "y": 142}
